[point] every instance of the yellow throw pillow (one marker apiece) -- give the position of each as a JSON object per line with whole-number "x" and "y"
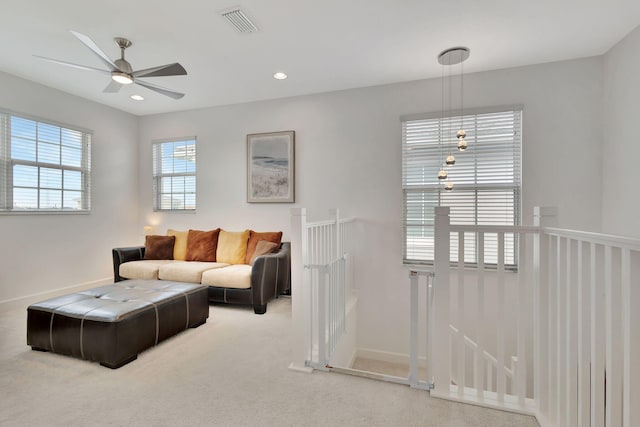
{"x": 232, "y": 246}
{"x": 180, "y": 246}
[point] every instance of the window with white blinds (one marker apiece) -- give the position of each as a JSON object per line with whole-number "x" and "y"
{"x": 486, "y": 180}
{"x": 44, "y": 167}
{"x": 174, "y": 175}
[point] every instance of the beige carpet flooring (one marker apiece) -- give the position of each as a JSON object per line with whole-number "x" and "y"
{"x": 231, "y": 371}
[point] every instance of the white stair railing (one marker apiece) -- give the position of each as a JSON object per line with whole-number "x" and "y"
{"x": 574, "y": 336}
{"x": 481, "y": 292}
{"x": 588, "y": 344}
{"x": 320, "y": 301}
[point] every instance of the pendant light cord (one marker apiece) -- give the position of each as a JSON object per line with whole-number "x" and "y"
{"x": 440, "y": 131}
{"x": 461, "y": 92}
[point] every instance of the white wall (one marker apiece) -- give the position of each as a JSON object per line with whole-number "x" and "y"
{"x": 45, "y": 252}
{"x": 620, "y": 148}
{"x": 348, "y": 156}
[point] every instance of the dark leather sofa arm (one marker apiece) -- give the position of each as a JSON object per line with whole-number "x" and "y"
{"x": 122, "y": 255}
{"x": 270, "y": 277}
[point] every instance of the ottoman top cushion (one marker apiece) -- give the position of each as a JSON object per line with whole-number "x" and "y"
{"x": 115, "y": 302}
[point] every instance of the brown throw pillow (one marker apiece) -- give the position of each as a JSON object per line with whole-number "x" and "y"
{"x": 159, "y": 247}
{"x": 262, "y": 248}
{"x": 255, "y": 237}
{"x": 202, "y": 245}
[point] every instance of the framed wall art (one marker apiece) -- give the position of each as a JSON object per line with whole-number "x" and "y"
{"x": 270, "y": 167}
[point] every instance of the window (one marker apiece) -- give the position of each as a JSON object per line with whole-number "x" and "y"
{"x": 174, "y": 175}
{"x": 486, "y": 180}
{"x": 44, "y": 167}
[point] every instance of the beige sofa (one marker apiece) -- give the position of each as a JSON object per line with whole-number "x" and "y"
{"x": 244, "y": 271}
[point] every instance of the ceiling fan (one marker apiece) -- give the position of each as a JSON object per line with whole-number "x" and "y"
{"x": 121, "y": 71}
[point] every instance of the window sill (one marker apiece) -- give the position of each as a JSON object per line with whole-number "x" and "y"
{"x": 179, "y": 211}
{"x": 45, "y": 212}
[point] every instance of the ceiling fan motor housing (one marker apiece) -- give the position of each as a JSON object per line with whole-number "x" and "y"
{"x": 124, "y": 66}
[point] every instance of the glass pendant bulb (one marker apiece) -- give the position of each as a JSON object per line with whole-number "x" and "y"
{"x": 450, "y": 160}
{"x": 442, "y": 174}
{"x": 448, "y": 186}
{"x": 461, "y": 134}
{"x": 462, "y": 144}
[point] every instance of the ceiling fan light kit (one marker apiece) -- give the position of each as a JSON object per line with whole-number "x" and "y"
{"x": 121, "y": 78}
{"x": 121, "y": 70}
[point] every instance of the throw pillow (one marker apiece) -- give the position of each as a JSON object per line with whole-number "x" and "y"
{"x": 255, "y": 237}
{"x": 180, "y": 247}
{"x": 202, "y": 245}
{"x": 262, "y": 248}
{"x": 159, "y": 247}
{"x": 232, "y": 247}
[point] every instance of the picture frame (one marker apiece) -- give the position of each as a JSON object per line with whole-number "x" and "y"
{"x": 271, "y": 167}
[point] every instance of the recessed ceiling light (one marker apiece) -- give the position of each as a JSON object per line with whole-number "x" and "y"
{"x": 279, "y": 75}
{"x": 137, "y": 97}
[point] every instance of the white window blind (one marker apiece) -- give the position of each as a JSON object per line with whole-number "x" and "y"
{"x": 44, "y": 167}
{"x": 174, "y": 175}
{"x": 486, "y": 180}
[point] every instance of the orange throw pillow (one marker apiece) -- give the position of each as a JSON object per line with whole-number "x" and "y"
{"x": 202, "y": 245}
{"x": 255, "y": 237}
{"x": 262, "y": 248}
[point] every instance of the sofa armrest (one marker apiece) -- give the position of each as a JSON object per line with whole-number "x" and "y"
{"x": 271, "y": 275}
{"x": 122, "y": 255}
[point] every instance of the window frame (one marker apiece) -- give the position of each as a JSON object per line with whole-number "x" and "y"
{"x": 8, "y": 163}
{"x": 421, "y": 192}
{"x": 158, "y": 176}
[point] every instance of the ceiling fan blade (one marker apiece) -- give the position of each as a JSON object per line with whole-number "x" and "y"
{"x": 112, "y": 87}
{"x": 174, "y": 69}
{"x": 95, "y": 49}
{"x": 69, "y": 64}
{"x": 164, "y": 91}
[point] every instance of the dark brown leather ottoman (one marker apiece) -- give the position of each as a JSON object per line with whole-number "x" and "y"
{"x": 113, "y": 323}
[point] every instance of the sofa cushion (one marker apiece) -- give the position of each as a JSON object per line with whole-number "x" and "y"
{"x": 180, "y": 246}
{"x": 232, "y": 246}
{"x": 145, "y": 269}
{"x": 262, "y": 248}
{"x": 201, "y": 245}
{"x": 190, "y": 272}
{"x": 234, "y": 276}
{"x": 255, "y": 237}
{"x": 159, "y": 247}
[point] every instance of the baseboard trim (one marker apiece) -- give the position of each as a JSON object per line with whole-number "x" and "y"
{"x": 78, "y": 286}
{"x": 353, "y": 358}
{"x": 303, "y": 369}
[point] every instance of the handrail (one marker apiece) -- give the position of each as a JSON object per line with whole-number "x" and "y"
{"x": 485, "y": 354}
{"x": 598, "y": 238}
{"x": 329, "y": 222}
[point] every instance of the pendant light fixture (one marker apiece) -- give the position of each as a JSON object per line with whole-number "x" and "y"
{"x": 449, "y": 58}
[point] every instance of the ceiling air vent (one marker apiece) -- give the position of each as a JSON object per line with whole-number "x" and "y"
{"x": 239, "y": 20}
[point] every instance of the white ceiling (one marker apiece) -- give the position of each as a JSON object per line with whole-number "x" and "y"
{"x": 323, "y": 45}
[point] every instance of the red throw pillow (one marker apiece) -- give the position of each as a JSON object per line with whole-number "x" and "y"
{"x": 202, "y": 245}
{"x": 255, "y": 237}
